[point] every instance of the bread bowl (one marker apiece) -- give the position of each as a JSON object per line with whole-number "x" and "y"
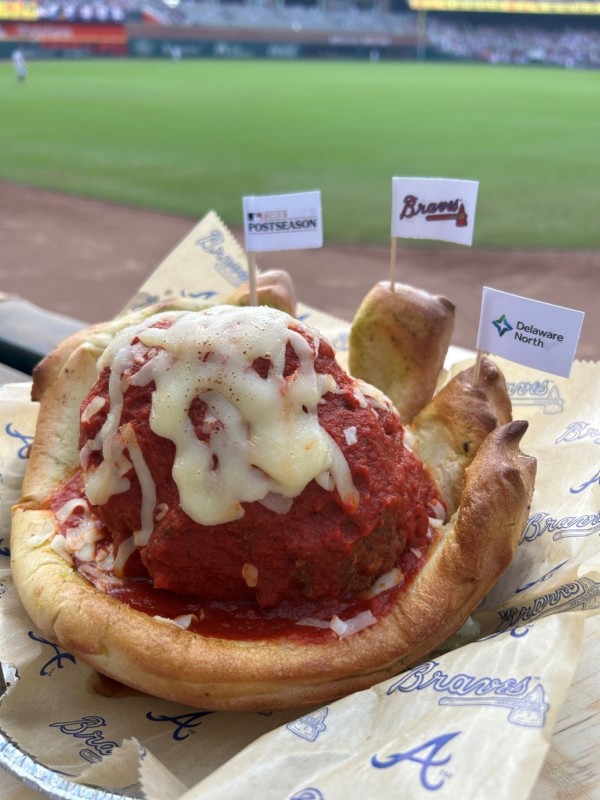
{"x": 380, "y": 612}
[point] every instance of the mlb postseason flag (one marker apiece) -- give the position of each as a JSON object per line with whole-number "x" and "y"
{"x": 283, "y": 222}
{"x": 536, "y": 334}
{"x": 434, "y": 208}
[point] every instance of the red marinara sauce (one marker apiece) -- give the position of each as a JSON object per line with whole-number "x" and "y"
{"x": 317, "y": 560}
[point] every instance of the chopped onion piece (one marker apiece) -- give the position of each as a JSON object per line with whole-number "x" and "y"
{"x": 277, "y": 503}
{"x": 416, "y": 552}
{"x": 350, "y": 435}
{"x": 409, "y": 440}
{"x": 342, "y": 628}
{"x": 160, "y": 511}
{"x": 170, "y": 621}
{"x": 182, "y": 621}
{"x": 359, "y": 396}
{"x": 386, "y": 581}
{"x": 434, "y": 522}
{"x": 313, "y": 622}
{"x": 353, "y": 625}
{"x": 101, "y": 580}
{"x": 106, "y": 562}
{"x": 185, "y": 620}
{"x": 439, "y": 512}
{"x": 338, "y": 626}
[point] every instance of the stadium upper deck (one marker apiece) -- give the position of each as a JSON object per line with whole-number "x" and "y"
{"x": 296, "y": 17}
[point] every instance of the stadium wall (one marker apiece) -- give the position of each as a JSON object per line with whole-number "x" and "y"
{"x": 63, "y": 39}
{"x": 143, "y": 40}
{"x": 150, "y": 41}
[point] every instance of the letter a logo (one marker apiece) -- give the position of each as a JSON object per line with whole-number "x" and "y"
{"x": 425, "y": 755}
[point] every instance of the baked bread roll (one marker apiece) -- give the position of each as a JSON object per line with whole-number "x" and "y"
{"x": 274, "y": 288}
{"x": 398, "y": 342}
{"x": 214, "y": 512}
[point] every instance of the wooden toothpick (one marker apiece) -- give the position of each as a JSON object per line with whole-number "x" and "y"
{"x": 252, "y": 272}
{"x": 393, "y": 263}
{"x": 477, "y": 367}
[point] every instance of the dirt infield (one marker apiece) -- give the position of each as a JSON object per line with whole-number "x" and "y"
{"x": 84, "y": 259}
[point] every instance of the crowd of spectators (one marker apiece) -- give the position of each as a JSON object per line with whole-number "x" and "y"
{"x": 295, "y": 17}
{"x": 512, "y": 43}
{"x": 509, "y": 41}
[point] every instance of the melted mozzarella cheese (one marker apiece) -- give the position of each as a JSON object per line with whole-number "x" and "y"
{"x": 80, "y": 539}
{"x": 264, "y": 439}
{"x": 147, "y": 485}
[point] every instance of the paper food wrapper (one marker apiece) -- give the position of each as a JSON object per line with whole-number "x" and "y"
{"x": 474, "y": 720}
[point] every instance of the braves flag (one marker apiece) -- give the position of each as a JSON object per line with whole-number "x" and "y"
{"x": 434, "y": 208}
{"x": 536, "y": 334}
{"x": 283, "y": 222}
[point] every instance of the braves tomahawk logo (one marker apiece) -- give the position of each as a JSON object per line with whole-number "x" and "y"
{"x": 311, "y": 726}
{"x": 442, "y": 211}
{"x": 526, "y": 706}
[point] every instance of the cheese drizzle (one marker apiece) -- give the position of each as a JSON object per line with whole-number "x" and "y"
{"x": 263, "y": 436}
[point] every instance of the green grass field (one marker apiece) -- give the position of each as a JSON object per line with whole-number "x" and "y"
{"x": 196, "y": 135}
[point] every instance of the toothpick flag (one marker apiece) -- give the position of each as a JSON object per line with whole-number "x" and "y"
{"x": 283, "y": 222}
{"x": 434, "y": 208}
{"x": 536, "y": 334}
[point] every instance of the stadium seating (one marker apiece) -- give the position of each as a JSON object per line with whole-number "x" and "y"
{"x": 514, "y": 43}
{"x": 297, "y": 18}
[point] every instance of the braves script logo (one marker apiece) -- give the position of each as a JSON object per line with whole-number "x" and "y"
{"x": 541, "y": 523}
{"x": 537, "y": 393}
{"x": 443, "y": 211}
{"x": 56, "y": 662}
{"x": 586, "y": 484}
{"x": 311, "y": 726}
{"x": 226, "y": 266}
{"x": 583, "y": 593}
{"x": 546, "y": 576}
{"x": 427, "y": 755}
{"x": 340, "y": 342}
{"x": 26, "y": 440}
{"x": 184, "y": 724}
{"x": 88, "y": 730}
{"x": 206, "y": 295}
{"x": 142, "y": 300}
{"x": 310, "y": 793}
{"x": 526, "y": 706}
{"x": 576, "y": 431}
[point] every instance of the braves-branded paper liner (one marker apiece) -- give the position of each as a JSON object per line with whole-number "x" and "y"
{"x": 474, "y": 720}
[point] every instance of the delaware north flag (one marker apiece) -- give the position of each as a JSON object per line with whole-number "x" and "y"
{"x": 283, "y": 222}
{"x": 434, "y": 208}
{"x": 536, "y": 334}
